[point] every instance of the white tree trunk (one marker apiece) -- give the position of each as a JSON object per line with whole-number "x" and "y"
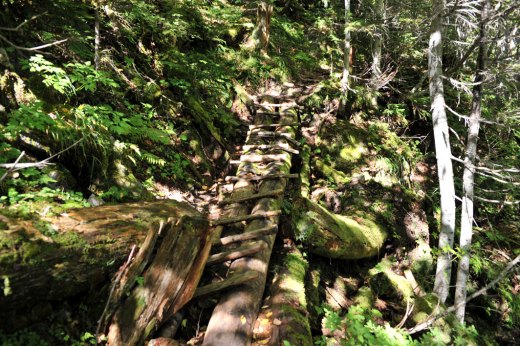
{"x": 377, "y": 43}
{"x": 466, "y": 218}
{"x": 346, "y": 50}
{"x": 442, "y": 152}
{"x": 97, "y": 34}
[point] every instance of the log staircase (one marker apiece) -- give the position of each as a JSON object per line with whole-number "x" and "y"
{"x": 233, "y": 253}
{"x": 246, "y": 230}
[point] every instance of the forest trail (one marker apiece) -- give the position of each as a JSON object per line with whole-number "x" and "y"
{"x": 247, "y": 224}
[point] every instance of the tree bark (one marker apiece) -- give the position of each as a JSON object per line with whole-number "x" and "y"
{"x": 84, "y": 248}
{"x": 442, "y": 152}
{"x": 468, "y": 180}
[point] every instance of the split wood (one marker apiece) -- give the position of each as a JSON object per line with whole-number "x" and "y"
{"x": 246, "y": 236}
{"x": 242, "y": 251}
{"x": 231, "y": 281}
{"x": 232, "y": 200}
{"x": 240, "y": 218}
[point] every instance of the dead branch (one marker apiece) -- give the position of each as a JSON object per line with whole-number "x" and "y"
{"x": 10, "y": 169}
{"x": 32, "y": 49}
{"x": 25, "y": 22}
{"x": 429, "y": 322}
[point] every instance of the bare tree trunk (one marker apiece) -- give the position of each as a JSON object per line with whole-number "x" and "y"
{"x": 260, "y": 36}
{"x": 97, "y": 34}
{"x": 379, "y": 9}
{"x": 346, "y": 50}
{"x": 466, "y": 218}
{"x": 443, "y": 153}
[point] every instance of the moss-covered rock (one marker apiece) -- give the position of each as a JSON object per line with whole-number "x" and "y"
{"x": 336, "y": 236}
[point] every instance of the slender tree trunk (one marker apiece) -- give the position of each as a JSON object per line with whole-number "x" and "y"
{"x": 377, "y": 44}
{"x": 97, "y": 34}
{"x": 346, "y": 50}
{"x": 443, "y": 153}
{"x": 466, "y": 218}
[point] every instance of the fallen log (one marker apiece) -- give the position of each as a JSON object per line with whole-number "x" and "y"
{"x": 252, "y": 197}
{"x": 336, "y": 236}
{"x": 224, "y": 284}
{"x": 242, "y": 251}
{"x": 284, "y": 315}
{"x": 167, "y": 283}
{"x": 246, "y": 236}
{"x": 49, "y": 260}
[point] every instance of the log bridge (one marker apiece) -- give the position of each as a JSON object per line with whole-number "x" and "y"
{"x": 237, "y": 243}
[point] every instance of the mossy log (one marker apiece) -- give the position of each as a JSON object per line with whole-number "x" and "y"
{"x": 336, "y": 236}
{"x": 385, "y": 282}
{"x": 284, "y": 314}
{"x": 46, "y": 261}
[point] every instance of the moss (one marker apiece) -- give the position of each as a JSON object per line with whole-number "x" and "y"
{"x": 364, "y": 298}
{"x": 337, "y": 236}
{"x": 385, "y": 282}
{"x": 298, "y": 332}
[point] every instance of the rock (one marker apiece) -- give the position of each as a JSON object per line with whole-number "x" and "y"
{"x": 95, "y": 201}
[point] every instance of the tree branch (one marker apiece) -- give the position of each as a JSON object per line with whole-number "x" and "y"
{"x": 32, "y": 49}
{"x": 429, "y": 322}
{"x": 23, "y": 23}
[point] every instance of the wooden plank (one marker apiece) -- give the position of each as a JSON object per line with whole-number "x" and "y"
{"x": 232, "y": 321}
{"x": 240, "y": 218}
{"x": 270, "y": 134}
{"x": 242, "y": 251}
{"x": 246, "y": 236}
{"x": 231, "y": 281}
{"x": 250, "y": 177}
{"x": 240, "y": 199}
{"x": 256, "y": 158}
{"x": 271, "y": 146}
{"x": 263, "y": 126}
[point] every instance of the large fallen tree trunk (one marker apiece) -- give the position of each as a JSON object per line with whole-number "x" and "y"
{"x": 336, "y": 236}
{"x": 46, "y": 261}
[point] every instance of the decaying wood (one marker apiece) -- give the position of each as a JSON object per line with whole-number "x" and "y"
{"x": 250, "y": 177}
{"x": 251, "y": 217}
{"x": 242, "y": 251}
{"x": 252, "y": 197}
{"x": 246, "y": 236}
{"x": 167, "y": 283}
{"x": 88, "y": 247}
{"x": 231, "y": 281}
{"x": 233, "y": 318}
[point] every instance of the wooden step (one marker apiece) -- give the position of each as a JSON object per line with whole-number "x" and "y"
{"x": 271, "y": 134}
{"x": 242, "y": 251}
{"x": 225, "y": 221}
{"x": 246, "y": 236}
{"x": 232, "y": 200}
{"x": 256, "y": 158}
{"x": 264, "y": 126}
{"x": 251, "y": 177}
{"x": 271, "y": 147}
{"x": 233, "y": 280}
